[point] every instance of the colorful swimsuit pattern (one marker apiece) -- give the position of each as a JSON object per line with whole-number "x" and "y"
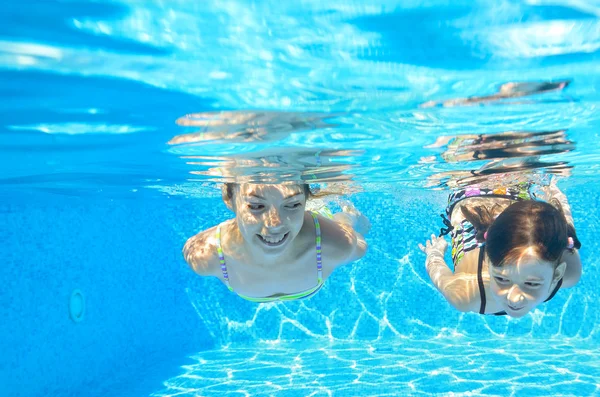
{"x": 464, "y": 234}
{"x": 278, "y": 297}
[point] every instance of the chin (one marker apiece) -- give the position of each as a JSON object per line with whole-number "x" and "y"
{"x": 517, "y": 314}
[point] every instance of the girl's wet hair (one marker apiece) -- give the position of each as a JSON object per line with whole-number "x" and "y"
{"x": 522, "y": 225}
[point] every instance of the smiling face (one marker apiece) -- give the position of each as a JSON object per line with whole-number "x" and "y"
{"x": 521, "y": 286}
{"x": 269, "y": 217}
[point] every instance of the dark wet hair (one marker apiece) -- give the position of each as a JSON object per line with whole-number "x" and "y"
{"x": 231, "y": 186}
{"x": 522, "y": 225}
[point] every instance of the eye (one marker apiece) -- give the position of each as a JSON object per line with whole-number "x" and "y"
{"x": 293, "y": 206}
{"x": 255, "y": 207}
{"x": 532, "y": 284}
{"x": 501, "y": 280}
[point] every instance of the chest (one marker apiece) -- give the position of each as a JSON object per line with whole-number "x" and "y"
{"x": 285, "y": 277}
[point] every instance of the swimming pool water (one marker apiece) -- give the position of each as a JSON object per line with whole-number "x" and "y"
{"x": 93, "y": 198}
{"x": 461, "y": 367}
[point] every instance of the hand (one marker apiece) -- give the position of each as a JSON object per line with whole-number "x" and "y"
{"x": 359, "y": 222}
{"x": 362, "y": 224}
{"x": 552, "y": 190}
{"x": 436, "y": 244}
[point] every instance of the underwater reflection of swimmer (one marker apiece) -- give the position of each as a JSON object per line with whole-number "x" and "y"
{"x": 512, "y": 249}
{"x": 246, "y": 126}
{"x": 274, "y": 250}
{"x": 515, "y": 170}
{"x": 278, "y": 165}
{"x": 514, "y": 152}
{"x": 503, "y": 145}
{"x": 506, "y": 91}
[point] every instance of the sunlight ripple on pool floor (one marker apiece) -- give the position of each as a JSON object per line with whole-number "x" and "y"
{"x": 453, "y": 367}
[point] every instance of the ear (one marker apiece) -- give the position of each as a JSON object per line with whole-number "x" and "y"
{"x": 559, "y": 272}
{"x": 228, "y": 202}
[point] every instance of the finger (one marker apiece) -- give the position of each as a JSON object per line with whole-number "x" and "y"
{"x": 421, "y": 247}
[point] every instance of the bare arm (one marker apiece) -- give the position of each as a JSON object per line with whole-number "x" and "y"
{"x": 342, "y": 243}
{"x": 198, "y": 254}
{"x": 352, "y": 217}
{"x": 558, "y": 199}
{"x": 458, "y": 289}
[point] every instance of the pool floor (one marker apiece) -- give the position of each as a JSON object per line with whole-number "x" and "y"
{"x": 455, "y": 367}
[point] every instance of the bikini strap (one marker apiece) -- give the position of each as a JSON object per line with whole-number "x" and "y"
{"x": 480, "y": 280}
{"x": 555, "y": 290}
{"x": 448, "y": 224}
{"x": 318, "y": 241}
{"x": 222, "y": 258}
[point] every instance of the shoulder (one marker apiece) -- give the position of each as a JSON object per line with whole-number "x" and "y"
{"x": 462, "y": 292}
{"x": 200, "y": 252}
{"x": 469, "y": 262}
{"x": 462, "y": 289}
{"x": 340, "y": 242}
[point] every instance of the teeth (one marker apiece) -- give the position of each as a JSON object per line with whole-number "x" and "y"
{"x": 273, "y": 240}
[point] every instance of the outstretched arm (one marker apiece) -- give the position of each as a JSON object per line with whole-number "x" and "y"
{"x": 354, "y": 218}
{"x": 458, "y": 289}
{"x": 571, "y": 257}
{"x": 341, "y": 243}
{"x": 198, "y": 254}
{"x": 558, "y": 199}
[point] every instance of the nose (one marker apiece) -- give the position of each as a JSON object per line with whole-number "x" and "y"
{"x": 272, "y": 219}
{"x": 515, "y": 296}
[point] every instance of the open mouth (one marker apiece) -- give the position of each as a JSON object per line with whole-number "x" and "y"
{"x": 273, "y": 241}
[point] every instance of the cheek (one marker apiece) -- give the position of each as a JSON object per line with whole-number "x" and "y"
{"x": 297, "y": 220}
{"x": 496, "y": 289}
{"x": 247, "y": 221}
{"x": 538, "y": 294}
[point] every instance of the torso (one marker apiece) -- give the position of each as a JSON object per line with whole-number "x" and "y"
{"x": 294, "y": 274}
{"x": 465, "y": 247}
{"x": 469, "y": 262}
{"x": 466, "y": 250}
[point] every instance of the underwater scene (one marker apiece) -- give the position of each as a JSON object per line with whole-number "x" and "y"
{"x": 299, "y": 198}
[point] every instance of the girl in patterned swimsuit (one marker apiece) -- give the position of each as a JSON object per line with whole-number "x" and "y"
{"x": 511, "y": 251}
{"x": 274, "y": 250}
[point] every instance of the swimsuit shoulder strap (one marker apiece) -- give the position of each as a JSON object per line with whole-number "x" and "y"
{"x": 318, "y": 245}
{"x": 480, "y": 280}
{"x": 555, "y": 290}
{"x": 222, "y": 258}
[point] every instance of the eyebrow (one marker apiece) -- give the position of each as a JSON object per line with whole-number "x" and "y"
{"x": 253, "y": 194}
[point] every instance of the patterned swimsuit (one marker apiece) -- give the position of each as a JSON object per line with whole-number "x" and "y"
{"x": 464, "y": 235}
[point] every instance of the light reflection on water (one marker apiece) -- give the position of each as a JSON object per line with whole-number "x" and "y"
{"x": 476, "y": 158}
{"x": 441, "y": 366}
{"x": 386, "y": 79}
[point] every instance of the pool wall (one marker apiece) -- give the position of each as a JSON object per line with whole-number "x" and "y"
{"x": 137, "y": 316}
